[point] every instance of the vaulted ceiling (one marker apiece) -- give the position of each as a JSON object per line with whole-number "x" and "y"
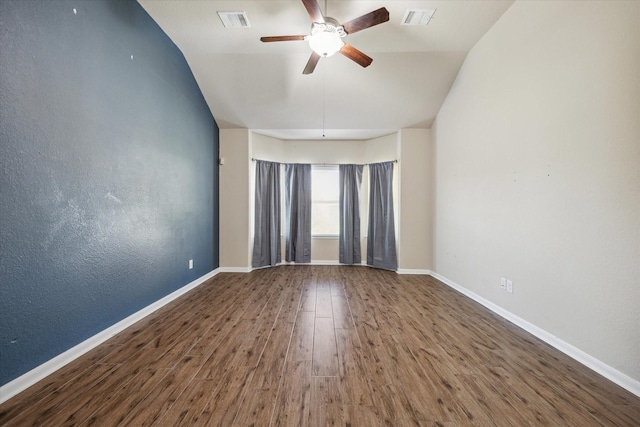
{"x": 260, "y": 86}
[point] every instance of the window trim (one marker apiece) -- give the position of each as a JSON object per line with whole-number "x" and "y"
{"x": 326, "y": 236}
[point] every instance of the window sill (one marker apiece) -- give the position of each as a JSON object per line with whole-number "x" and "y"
{"x": 325, "y": 236}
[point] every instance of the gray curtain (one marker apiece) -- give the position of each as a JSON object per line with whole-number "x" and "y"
{"x": 381, "y": 243}
{"x": 297, "y": 212}
{"x": 266, "y": 241}
{"x": 349, "y": 241}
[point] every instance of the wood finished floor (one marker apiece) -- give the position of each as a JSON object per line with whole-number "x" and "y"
{"x": 321, "y": 346}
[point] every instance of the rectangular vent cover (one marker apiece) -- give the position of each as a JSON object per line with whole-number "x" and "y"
{"x": 417, "y": 16}
{"x": 234, "y": 19}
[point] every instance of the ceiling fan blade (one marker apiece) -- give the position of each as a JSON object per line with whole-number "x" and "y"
{"x": 313, "y": 8}
{"x": 355, "y": 55}
{"x": 311, "y": 64}
{"x": 368, "y": 20}
{"x": 281, "y": 38}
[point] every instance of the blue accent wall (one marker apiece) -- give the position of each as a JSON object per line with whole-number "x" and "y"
{"x": 109, "y": 175}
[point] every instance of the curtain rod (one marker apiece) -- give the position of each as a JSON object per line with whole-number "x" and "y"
{"x": 253, "y": 159}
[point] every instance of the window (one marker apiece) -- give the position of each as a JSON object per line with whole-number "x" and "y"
{"x": 325, "y": 201}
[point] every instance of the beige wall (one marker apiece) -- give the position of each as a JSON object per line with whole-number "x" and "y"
{"x": 414, "y": 191}
{"x": 324, "y": 151}
{"x": 537, "y": 158}
{"x": 266, "y": 148}
{"x": 382, "y": 149}
{"x": 234, "y": 199}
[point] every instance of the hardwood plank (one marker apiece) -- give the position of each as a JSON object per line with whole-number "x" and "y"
{"x": 256, "y": 408}
{"x": 629, "y": 413}
{"x": 395, "y": 409}
{"x": 349, "y": 349}
{"x": 256, "y": 339}
{"x": 325, "y": 390}
{"x": 294, "y": 395}
{"x": 291, "y": 305}
{"x": 595, "y": 403}
{"x": 354, "y": 386}
{"x": 378, "y": 364}
{"x": 271, "y": 365}
{"x": 53, "y": 404}
{"x": 336, "y": 282}
{"x": 341, "y": 313}
{"x": 148, "y": 357}
{"x": 160, "y": 399}
{"x": 326, "y": 415}
{"x": 325, "y": 353}
{"x": 566, "y": 408}
{"x": 323, "y": 299}
{"x": 98, "y": 393}
{"x": 54, "y": 383}
{"x": 209, "y": 340}
{"x": 308, "y": 300}
{"x": 513, "y": 390}
{"x": 226, "y": 399}
{"x": 302, "y": 338}
{"x": 460, "y": 404}
{"x": 221, "y": 356}
{"x": 189, "y": 406}
{"x": 123, "y": 400}
{"x": 169, "y": 331}
{"x": 428, "y": 400}
{"x": 360, "y": 416}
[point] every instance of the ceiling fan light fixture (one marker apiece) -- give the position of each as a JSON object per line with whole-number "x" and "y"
{"x": 326, "y": 38}
{"x": 325, "y": 44}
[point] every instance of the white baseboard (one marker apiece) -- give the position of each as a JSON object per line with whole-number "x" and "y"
{"x": 283, "y": 263}
{"x": 312, "y": 262}
{"x": 589, "y": 361}
{"x": 28, "y": 379}
{"x": 413, "y": 271}
{"x": 318, "y": 262}
{"x": 325, "y": 262}
{"x": 235, "y": 269}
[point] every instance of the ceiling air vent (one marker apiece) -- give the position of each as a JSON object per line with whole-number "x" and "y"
{"x": 417, "y": 16}
{"x": 234, "y": 19}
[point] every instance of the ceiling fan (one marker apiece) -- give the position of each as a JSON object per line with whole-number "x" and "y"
{"x": 326, "y": 35}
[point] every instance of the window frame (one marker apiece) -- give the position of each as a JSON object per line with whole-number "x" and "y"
{"x": 326, "y": 167}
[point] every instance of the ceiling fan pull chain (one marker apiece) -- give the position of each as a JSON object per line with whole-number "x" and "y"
{"x": 324, "y": 95}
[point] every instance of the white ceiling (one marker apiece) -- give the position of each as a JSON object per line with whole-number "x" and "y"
{"x": 260, "y": 86}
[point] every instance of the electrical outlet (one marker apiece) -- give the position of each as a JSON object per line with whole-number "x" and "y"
{"x": 509, "y": 286}
{"x": 190, "y": 264}
{"x": 503, "y": 283}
